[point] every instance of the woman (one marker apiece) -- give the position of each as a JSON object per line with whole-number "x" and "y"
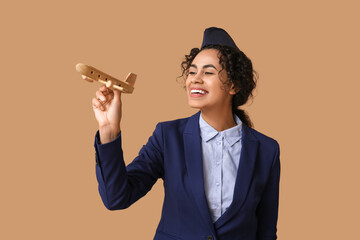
{"x": 221, "y": 177}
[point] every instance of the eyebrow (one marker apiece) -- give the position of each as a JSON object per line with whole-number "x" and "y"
{"x": 205, "y": 66}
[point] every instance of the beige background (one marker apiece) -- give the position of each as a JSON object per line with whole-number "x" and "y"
{"x": 307, "y": 57}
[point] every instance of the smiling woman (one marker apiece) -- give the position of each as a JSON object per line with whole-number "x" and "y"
{"x": 221, "y": 177}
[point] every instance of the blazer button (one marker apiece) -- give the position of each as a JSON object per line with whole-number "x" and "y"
{"x": 210, "y": 237}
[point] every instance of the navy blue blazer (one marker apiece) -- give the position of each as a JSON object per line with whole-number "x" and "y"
{"x": 173, "y": 153}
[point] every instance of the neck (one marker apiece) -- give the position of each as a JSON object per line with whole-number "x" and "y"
{"x": 219, "y": 120}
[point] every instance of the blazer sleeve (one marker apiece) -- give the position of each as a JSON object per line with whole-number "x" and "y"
{"x": 121, "y": 186}
{"x": 267, "y": 210}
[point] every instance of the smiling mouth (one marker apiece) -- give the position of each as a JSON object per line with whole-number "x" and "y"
{"x": 198, "y": 92}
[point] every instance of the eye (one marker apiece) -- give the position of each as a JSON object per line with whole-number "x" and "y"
{"x": 192, "y": 73}
{"x": 209, "y": 73}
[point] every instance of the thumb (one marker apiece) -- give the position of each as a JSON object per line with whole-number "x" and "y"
{"x": 117, "y": 94}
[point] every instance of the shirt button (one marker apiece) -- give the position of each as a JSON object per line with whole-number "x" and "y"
{"x": 209, "y": 237}
{"x": 217, "y": 163}
{"x": 217, "y": 184}
{"x": 218, "y": 143}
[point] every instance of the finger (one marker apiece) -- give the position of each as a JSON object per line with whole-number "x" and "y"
{"x": 105, "y": 90}
{"x": 101, "y": 96}
{"x": 117, "y": 94}
{"x": 97, "y": 104}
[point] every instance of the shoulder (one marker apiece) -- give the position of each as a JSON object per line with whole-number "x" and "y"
{"x": 180, "y": 124}
{"x": 268, "y": 148}
{"x": 172, "y": 131}
{"x": 263, "y": 139}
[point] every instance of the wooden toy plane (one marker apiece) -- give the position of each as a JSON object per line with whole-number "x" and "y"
{"x": 91, "y": 74}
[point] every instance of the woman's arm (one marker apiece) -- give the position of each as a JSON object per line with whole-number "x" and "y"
{"x": 121, "y": 186}
{"x": 267, "y": 210}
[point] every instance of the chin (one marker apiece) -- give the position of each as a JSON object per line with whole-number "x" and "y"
{"x": 194, "y": 105}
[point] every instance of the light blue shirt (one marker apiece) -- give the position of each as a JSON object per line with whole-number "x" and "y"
{"x": 221, "y": 158}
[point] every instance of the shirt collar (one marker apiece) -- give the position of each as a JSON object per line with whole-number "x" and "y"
{"x": 231, "y": 135}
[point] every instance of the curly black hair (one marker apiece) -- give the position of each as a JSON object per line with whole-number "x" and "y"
{"x": 239, "y": 71}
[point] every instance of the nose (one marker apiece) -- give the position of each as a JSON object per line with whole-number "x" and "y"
{"x": 197, "y": 78}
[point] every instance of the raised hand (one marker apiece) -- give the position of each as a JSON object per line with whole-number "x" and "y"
{"x": 107, "y": 109}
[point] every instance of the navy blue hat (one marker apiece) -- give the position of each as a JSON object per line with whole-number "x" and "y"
{"x": 217, "y": 36}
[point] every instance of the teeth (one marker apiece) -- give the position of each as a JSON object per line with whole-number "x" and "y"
{"x": 197, "y": 91}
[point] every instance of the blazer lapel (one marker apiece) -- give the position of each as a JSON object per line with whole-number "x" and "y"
{"x": 244, "y": 175}
{"x": 194, "y": 165}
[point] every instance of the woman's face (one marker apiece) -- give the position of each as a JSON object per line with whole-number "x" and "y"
{"x": 204, "y": 84}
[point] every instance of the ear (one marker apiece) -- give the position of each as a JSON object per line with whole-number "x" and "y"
{"x": 233, "y": 90}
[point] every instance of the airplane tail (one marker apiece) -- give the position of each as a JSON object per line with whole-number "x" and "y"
{"x": 130, "y": 79}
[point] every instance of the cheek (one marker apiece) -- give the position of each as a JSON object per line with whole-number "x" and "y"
{"x": 187, "y": 83}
